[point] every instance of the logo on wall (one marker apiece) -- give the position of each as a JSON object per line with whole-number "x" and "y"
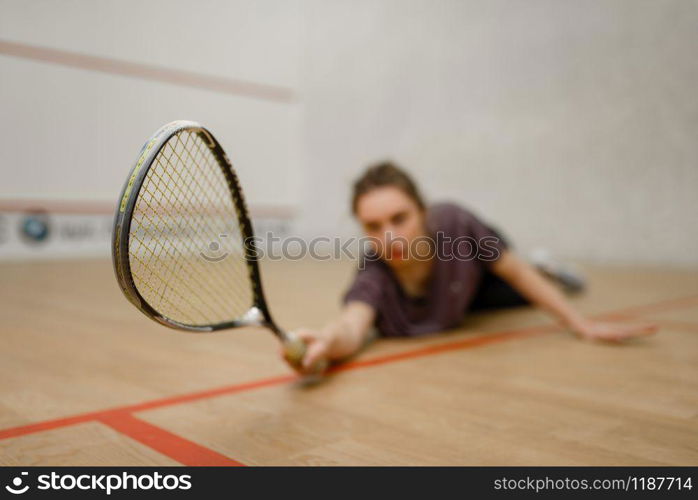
{"x": 35, "y": 227}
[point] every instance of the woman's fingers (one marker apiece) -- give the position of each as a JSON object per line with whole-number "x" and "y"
{"x": 639, "y": 330}
{"x": 649, "y": 329}
{"x": 305, "y": 334}
{"x": 316, "y": 352}
{"x": 617, "y": 332}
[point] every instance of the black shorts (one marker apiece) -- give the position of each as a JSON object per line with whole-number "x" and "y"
{"x": 495, "y": 293}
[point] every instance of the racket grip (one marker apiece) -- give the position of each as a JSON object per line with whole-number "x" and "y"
{"x": 295, "y": 349}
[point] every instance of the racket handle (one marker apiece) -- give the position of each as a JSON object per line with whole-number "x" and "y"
{"x": 295, "y": 348}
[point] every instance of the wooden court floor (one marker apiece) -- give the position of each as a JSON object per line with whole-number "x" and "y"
{"x": 85, "y": 379}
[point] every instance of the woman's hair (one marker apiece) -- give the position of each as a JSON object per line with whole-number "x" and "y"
{"x": 385, "y": 174}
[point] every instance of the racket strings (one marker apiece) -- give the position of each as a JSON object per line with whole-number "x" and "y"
{"x": 227, "y": 219}
{"x": 187, "y": 237}
{"x": 155, "y": 268}
{"x": 183, "y": 211}
{"x": 235, "y": 250}
{"x": 193, "y": 199}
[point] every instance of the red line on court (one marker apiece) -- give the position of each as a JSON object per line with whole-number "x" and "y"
{"x": 232, "y": 389}
{"x": 122, "y": 420}
{"x": 176, "y": 447}
{"x": 650, "y": 308}
{"x": 211, "y": 393}
{"x": 467, "y": 343}
{"x": 48, "y": 425}
{"x": 148, "y": 405}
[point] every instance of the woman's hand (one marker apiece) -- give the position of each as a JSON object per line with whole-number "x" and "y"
{"x": 317, "y": 349}
{"x": 613, "y": 332}
{"x": 339, "y": 339}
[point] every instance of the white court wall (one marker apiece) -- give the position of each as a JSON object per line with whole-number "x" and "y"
{"x": 569, "y": 124}
{"x": 74, "y": 133}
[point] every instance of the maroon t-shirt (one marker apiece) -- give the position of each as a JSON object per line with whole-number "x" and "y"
{"x": 465, "y": 246}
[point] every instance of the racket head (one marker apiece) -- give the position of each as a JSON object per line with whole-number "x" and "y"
{"x": 181, "y": 197}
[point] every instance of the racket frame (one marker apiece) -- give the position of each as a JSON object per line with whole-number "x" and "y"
{"x": 258, "y": 314}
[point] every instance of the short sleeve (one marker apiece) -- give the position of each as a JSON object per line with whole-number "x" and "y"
{"x": 491, "y": 244}
{"x": 367, "y": 287}
{"x": 485, "y": 244}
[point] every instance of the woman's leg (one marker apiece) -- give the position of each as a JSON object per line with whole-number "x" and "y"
{"x": 495, "y": 293}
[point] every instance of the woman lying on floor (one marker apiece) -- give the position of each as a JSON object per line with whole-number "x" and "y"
{"x": 429, "y": 265}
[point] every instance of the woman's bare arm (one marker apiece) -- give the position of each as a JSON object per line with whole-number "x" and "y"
{"x": 532, "y": 285}
{"x": 341, "y": 337}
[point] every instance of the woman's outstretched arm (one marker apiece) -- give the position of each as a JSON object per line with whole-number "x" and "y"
{"x": 532, "y": 285}
{"x": 341, "y": 337}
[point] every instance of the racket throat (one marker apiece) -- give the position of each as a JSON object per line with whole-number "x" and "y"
{"x": 256, "y": 317}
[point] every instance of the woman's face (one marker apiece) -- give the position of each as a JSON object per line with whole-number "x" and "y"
{"x": 393, "y": 221}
